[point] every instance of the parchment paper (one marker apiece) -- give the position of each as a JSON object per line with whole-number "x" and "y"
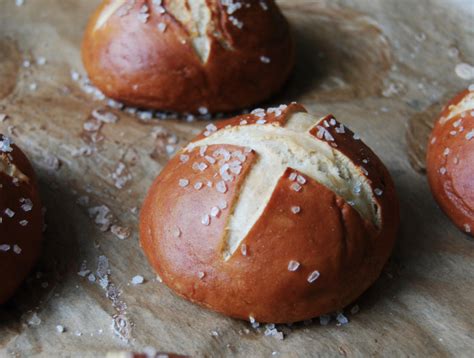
{"x": 384, "y": 67}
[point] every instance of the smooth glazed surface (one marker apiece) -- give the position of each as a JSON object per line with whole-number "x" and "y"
{"x": 276, "y": 215}
{"x": 450, "y": 161}
{"x": 188, "y": 55}
{"x": 20, "y": 218}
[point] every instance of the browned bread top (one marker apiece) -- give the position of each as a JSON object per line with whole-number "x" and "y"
{"x": 275, "y": 215}
{"x": 450, "y": 161}
{"x": 188, "y": 55}
{"x": 20, "y": 218}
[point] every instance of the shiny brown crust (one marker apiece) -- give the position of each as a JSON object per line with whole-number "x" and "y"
{"x": 23, "y": 229}
{"x": 450, "y": 163}
{"x": 136, "y": 63}
{"x": 328, "y": 235}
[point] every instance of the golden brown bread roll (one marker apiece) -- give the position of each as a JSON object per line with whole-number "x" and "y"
{"x": 188, "y": 55}
{"x": 20, "y": 218}
{"x": 276, "y": 216}
{"x": 450, "y": 161}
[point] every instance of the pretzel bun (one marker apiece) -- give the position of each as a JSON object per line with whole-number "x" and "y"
{"x": 276, "y": 215}
{"x": 450, "y": 161}
{"x": 20, "y": 218}
{"x": 188, "y": 55}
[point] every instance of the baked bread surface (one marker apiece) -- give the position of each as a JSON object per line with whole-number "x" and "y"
{"x": 450, "y": 161}
{"x": 20, "y": 218}
{"x": 188, "y": 55}
{"x": 276, "y": 215}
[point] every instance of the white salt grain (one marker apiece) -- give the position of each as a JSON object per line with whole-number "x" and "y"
{"x": 295, "y": 209}
{"x": 215, "y": 211}
{"x": 342, "y": 319}
{"x": 221, "y": 187}
{"x": 293, "y": 265}
{"x": 313, "y": 276}
{"x": 378, "y": 191}
{"x": 162, "y": 27}
{"x": 295, "y": 187}
{"x": 465, "y": 71}
{"x": 206, "y": 220}
{"x": 470, "y": 135}
{"x": 183, "y": 183}
{"x": 137, "y": 280}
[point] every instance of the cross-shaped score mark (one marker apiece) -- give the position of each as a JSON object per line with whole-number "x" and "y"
{"x": 194, "y": 15}
{"x": 279, "y": 148}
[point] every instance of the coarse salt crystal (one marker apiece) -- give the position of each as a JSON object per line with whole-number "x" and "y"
{"x": 342, "y": 319}
{"x": 295, "y": 187}
{"x": 215, "y": 211}
{"x": 293, "y": 265}
{"x": 27, "y": 204}
{"x": 221, "y": 187}
{"x": 162, "y": 26}
{"x": 340, "y": 129}
{"x": 176, "y": 232}
{"x": 5, "y": 247}
{"x": 137, "y": 280}
{"x": 211, "y": 128}
{"x": 202, "y": 167}
{"x": 183, "y": 183}
{"x": 465, "y": 71}
{"x": 295, "y": 209}
{"x": 120, "y": 232}
{"x": 301, "y": 179}
{"x": 223, "y": 205}
{"x": 243, "y": 249}
{"x": 313, "y": 276}
{"x": 9, "y": 212}
{"x": 206, "y": 220}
